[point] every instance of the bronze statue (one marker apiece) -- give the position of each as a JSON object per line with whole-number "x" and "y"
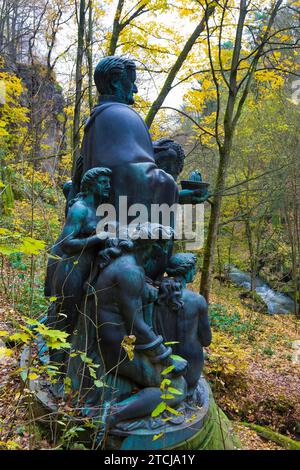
{"x": 115, "y": 136}
{"x": 75, "y": 249}
{"x": 169, "y": 156}
{"x": 182, "y": 315}
{"x": 110, "y": 292}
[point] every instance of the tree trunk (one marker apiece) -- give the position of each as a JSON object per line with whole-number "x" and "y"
{"x": 116, "y": 29}
{"x": 210, "y": 244}
{"x": 89, "y": 54}
{"x": 78, "y": 83}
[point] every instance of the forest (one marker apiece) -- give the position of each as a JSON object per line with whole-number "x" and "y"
{"x": 222, "y": 78}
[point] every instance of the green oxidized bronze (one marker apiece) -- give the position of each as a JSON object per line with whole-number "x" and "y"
{"x": 112, "y": 296}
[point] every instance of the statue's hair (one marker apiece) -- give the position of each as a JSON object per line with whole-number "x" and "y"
{"x": 181, "y": 263}
{"x": 87, "y": 180}
{"x": 168, "y": 294}
{"x": 108, "y": 68}
{"x": 67, "y": 188}
{"x": 114, "y": 248}
{"x": 166, "y": 144}
{"x": 91, "y": 175}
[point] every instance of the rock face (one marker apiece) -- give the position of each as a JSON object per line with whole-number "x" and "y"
{"x": 43, "y": 93}
{"x": 43, "y": 97}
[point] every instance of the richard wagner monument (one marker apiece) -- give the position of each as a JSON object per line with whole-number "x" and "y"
{"x": 121, "y": 290}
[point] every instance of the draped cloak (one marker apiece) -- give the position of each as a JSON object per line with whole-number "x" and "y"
{"x": 116, "y": 137}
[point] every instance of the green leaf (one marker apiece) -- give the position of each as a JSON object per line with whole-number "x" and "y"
{"x": 33, "y": 376}
{"x": 167, "y": 396}
{"x": 164, "y": 384}
{"x": 174, "y": 412}
{"x": 157, "y": 436}
{"x": 168, "y": 370}
{"x": 177, "y": 358}
{"x": 169, "y": 343}
{"x": 99, "y": 383}
{"x": 31, "y": 246}
{"x": 174, "y": 390}
{"x": 8, "y": 249}
{"x": 86, "y": 359}
{"x": 5, "y": 352}
{"x": 30, "y": 321}
{"x": 159, "y": 409}
{"x": 92, "y": 373}
{"x": 55, "y": 339}
{"x": 5, "y": 231}
{"x": 50, "y": 366}
{"x": 24, "y": 337}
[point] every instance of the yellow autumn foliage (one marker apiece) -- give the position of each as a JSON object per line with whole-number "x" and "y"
{"x": 13, "y": 116}
{"x": 226, "y": 358}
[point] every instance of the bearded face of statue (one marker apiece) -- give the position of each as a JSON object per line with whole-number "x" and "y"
{"x": 125, "y": 87}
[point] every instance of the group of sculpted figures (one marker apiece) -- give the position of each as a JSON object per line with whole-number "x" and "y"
{"x": 112, "y": 294}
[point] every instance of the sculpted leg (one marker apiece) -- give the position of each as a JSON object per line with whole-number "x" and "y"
{"x": 143, "y": 403}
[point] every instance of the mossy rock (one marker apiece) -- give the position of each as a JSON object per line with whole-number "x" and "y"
{"x": 283, "y": 441}
{"x": 216, "y": 434}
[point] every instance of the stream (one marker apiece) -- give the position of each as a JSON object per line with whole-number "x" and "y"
{"x": 275, "y": 301}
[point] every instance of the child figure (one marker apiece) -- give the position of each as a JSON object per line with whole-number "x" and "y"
{"x": 182, "y": 315}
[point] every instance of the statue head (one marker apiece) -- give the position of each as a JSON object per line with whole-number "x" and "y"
{"x": 116, "y": 76}
{"x": 114, "y": 248}
{"x": 97, "y": 181}
{"x": 182, "y": 265}
{"x": 170, "y": 294}
{"x": 169, "y": 156}
{"x": 67, "y": 188}
{"x": 154, "y": 243}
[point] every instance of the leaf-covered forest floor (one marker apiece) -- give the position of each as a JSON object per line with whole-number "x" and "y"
{"x": 249, "y": 366}
{"x": 263, "y": 386}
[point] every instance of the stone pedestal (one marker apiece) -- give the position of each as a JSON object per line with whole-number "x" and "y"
{"x": 201, "y": 425}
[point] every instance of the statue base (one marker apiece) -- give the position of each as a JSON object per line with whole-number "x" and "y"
{"x": 200, "y": 425}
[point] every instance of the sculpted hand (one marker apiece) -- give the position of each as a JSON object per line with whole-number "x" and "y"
{"x": 198, "y": 197}
{"x": 189, "y": 196}
{"x": 180, "y": 366}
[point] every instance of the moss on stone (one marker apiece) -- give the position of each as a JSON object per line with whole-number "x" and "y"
{"x": 283, "y": 441}
{"x": 216, "y": 433}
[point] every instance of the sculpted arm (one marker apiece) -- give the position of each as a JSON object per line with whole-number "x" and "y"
{"x": 71, "y": 243}
{"x": 131, "y": 290}
{"x": 130, "y": 299}
{"x": 204, "y": 331}
{"x": 188, "y": 196}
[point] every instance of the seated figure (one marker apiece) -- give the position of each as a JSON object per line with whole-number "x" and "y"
{"x": 169, "y": 156}
{"x": 74, "y": 252}
{"x": 104, "y": 289}
{"x": 115, "y": 136}
{"x": 181, "y": 315}
{"x": 114, "y": 311}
